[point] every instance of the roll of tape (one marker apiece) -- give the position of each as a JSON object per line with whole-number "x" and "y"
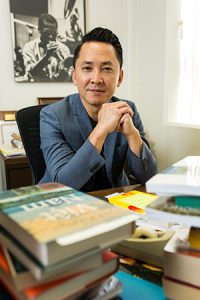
{"x": 145, "y": 232}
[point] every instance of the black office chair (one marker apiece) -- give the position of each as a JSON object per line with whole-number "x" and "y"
{"x": 28, "y": 122}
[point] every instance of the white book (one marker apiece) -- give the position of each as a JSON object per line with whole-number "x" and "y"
{"x": 164, "y": 208}
{"x": 182, "y": 178}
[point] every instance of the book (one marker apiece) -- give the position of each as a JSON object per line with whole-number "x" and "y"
{"x": 66, "y": 287}
{"x": 164, "y": 208}
{"x": 9, "y": 151}
{"x": 61, "y": 223}
{"x": 177, "y": 290}
{"x": 19, "y": 193}
{"x": 182, "y": 178}
{"x": 141, "y": 269}
{"x": 192, "y": 245}
{"x": 178, "y": 266}
{"x": 134, "y": 200}
{"x": 136, "y": 288}
{"x": 22, "y": 277}
{"x": 149, "y": 250}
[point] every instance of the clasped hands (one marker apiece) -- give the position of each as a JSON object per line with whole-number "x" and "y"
{"x": 116, "y": 116}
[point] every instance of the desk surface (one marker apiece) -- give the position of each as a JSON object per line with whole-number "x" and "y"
{"x": 102, "y": 193}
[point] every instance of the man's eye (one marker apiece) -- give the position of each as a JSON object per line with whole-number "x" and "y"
{"x": 107, "y": 69}
{"x": 86, "y": 68}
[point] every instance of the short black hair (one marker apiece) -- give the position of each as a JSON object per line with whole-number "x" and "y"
{"x": 46, "y": 19}
{"x": 103, "y": 35}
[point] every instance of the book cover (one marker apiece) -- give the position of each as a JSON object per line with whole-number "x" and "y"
{"x": 23, "y": 192}
{"x": 64, "y": 222}
{"x": 135, "y": 201}
{"x": 137, "y": 288}
{"x": 182, "y": 178}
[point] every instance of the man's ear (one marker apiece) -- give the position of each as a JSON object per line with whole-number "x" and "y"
{"x": 121, "y": 76}
{"x": 74, "y": 77}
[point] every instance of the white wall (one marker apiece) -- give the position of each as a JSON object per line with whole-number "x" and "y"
{"x": 170, "y": 143}
{"x": 140, "y": 25}
{"x": 15, "y": 95}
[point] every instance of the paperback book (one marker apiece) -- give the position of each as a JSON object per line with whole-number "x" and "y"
{"x": 166, "y": 209}
{"x": 135, "y": 201}
{"x": 61, "y": 223}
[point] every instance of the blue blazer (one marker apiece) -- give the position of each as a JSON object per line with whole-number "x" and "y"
{"x": 72, "y": 160}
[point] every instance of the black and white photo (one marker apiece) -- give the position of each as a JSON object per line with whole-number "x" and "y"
{"x": 44, "y": 37}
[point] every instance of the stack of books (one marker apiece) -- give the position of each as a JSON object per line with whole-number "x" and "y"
{"x": 178, "y": 188}
{"x": 55, "y": 240}
{"x": 182, "y": 265}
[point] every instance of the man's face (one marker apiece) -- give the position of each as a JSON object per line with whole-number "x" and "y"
{"x": 97, "y": 74}
{"x": 48, "y": 33}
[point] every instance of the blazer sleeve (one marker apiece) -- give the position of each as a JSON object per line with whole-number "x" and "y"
{"x": 145, "y": 166}
{"x": 64, "y": 164}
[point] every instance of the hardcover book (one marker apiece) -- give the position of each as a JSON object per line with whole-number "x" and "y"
{"x": 61, "y": 223}
{"x": 179, "y": 266}
{"x": 66, "y": 287}
{"x": 175, "y": 289}
{"x": 25, "y": 274}
{"x": 182, "y": 178}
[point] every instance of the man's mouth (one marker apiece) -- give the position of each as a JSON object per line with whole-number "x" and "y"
{"x": 96, "y": 90}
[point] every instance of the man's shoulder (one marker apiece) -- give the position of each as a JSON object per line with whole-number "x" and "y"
{"x": 67, "y": 101}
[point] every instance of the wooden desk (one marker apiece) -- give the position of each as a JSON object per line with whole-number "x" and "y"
{"x": 15, "y": 172}
{"x": 102, "y": 193}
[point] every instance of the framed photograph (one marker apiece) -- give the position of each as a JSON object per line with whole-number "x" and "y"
{"x": 48, "y": 100}
{"x": 7, "y": 129}
{"x": 44, "y": 36}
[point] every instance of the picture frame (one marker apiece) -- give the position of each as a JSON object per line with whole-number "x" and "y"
{"x": 27, "y": 47}
{"x": 6, "y": 131}
{"x": 7, "y": 115}
{"x": 48, "y": 100}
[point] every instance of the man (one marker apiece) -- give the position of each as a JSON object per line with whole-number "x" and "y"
{"x": 44, "y": 57}
{"x": 87, "y": 137}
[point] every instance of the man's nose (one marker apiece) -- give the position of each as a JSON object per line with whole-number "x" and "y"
{"x": 96, "y": 77}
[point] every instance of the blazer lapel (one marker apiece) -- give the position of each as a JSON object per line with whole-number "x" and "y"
{"x": 82, "y": 119}
{"x": 109, "y": 147}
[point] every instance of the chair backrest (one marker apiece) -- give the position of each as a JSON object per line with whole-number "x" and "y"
{"x": 28, "y": 122}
